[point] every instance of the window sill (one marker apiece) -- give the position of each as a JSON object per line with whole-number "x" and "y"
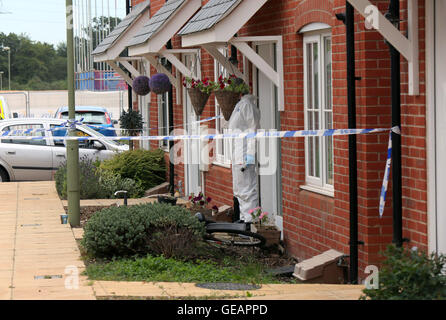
{"x": 221, "y": 164}
{"x": 322, "y": 191}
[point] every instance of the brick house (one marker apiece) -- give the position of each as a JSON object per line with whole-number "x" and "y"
{"x": 309, "y": 191}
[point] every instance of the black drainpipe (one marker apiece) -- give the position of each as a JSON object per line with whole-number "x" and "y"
{"x": 168, "y": 66}
{"x": 349, "y": 19}
{"x": 128, "y": 7}
{"x": 393, "y": 15}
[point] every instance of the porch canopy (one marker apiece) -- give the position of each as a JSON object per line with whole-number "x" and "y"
{"x": 150, "y": 40}
{"x": 217, "y": 23}
{"x": 110, "y": 49}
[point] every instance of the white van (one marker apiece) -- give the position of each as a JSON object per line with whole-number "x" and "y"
{"x": 5, "y": 113}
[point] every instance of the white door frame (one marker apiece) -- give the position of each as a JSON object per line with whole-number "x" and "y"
{"x": 187, "y": 188}
{"x": 431, "y": 131}
{"x": 277, "y": 188}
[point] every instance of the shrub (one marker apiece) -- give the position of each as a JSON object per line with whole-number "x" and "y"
{"x": 96, "y": 183}
{"x": 409, "y": 275}
{"x": 111, "y": 182}
{"x": 144, "y": 166}
{"x": 89, "y": 180}
{"x": 149, "y": 228}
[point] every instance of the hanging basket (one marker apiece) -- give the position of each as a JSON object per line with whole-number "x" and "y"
{"x": 198, "y": 99}
{"x": 227, "y": 101}
{"x": 159, "y": 83}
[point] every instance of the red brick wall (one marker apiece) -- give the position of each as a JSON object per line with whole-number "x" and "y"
{"x": 313, "y": 222}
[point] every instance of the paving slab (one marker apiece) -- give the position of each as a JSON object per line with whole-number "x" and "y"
{"x": 158, "y": 290}
{"x": 39, "y": 256}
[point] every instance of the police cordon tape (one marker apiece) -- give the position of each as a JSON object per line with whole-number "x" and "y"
{"x": 72, "y": 124}
{"x": 237, "y": 135}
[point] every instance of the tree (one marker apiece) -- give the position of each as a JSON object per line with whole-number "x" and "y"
{"x": 34, "y": 65}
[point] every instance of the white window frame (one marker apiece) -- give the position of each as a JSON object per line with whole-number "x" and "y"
{"x": 222, "y": 157}
{"x": 163, "y": 144}
{"x": 313, "y": 183}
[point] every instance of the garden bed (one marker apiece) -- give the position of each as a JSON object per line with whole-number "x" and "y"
{"x": 207, "y": 263}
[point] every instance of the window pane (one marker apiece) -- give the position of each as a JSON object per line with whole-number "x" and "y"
{"x": 329, "y": 149}
{"x": 24, "y": 134}
{"x": 163, "y": 105}
{"x": 316, "y": 74}
{"x": 328, "y": 80}
{"x": 309, "y": 77}
{"x": 317, "y": 142}
{"x": 311, "y": 156}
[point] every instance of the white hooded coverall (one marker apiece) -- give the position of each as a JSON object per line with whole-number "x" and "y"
{"x": 245, "y": 118}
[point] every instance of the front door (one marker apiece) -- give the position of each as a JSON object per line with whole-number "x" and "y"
{"x": 191, "y": 147}
{"x": 440, "y": 119}
{"x": 268, "y": 149}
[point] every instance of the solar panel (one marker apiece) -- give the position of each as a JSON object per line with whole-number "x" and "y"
{"x": 121, "y": 27}
{"x": 209, "y": 16}
{"x": 156, "y": 22}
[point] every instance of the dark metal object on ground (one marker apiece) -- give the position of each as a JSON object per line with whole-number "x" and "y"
{"x": 125, "y": 195}
{"x": 167, "y": 199}
{"x": 285, "y": 271}
{"x": 228, "y": 286}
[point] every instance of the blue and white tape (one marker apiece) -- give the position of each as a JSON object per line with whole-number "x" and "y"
{"x": 383, "y": 195}
{"x": 237, "y": 135}
{"x": 72, "y": 124}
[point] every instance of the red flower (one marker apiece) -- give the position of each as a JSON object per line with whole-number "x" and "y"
{"x": 220, "y": 78}
{"x": 222, "y": 85}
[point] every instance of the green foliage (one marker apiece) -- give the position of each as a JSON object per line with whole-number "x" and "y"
{"x": 132, "y": 122}
{"x": 147, "y": 167}
{"x": 134, "y": 230}
{"x": 34, "y": 65}
{"x": 409, "y": 275}
{"x": 96, "y": 183}
{"x": 204, "y": 85}
{"x": 232, "y": 84}
{"x": 88, "y": 180}
{"x": 164, "y": 269}
{"x": 111, "y": 182}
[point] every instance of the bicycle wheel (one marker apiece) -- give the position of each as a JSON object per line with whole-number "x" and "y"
{"x": 235, "y": 238}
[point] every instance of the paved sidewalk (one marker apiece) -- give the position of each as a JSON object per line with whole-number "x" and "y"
{"x": 174, "y": 290}
{"x": 35, "y": 248}
{"x": 38, "y": 256}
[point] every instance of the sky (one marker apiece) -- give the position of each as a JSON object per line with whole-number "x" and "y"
{"x": 44, "y": 20}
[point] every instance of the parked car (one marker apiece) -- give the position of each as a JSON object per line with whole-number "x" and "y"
{"x": 97, "y": 118}
{"x": 28, "y": 160}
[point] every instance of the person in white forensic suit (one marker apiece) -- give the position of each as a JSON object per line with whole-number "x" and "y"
{"x": 245, "y": 118}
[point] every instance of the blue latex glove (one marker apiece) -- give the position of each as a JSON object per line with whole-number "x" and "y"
{"x": 250, "y": 159}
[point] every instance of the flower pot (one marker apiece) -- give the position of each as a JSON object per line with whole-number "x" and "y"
{"x": 198, "y": 99}
{"x": 270, "y": 233}
{"x": 227, "y": 101}
{"x": 206, "y": 212}
{"x": 63, "y": 218}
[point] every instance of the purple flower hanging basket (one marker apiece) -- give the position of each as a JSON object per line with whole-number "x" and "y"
{"x": 141, "y": 85}
{"x": 159, "y": 83}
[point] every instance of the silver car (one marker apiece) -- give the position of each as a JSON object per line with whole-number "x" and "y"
{"x": 31, "y": 160}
